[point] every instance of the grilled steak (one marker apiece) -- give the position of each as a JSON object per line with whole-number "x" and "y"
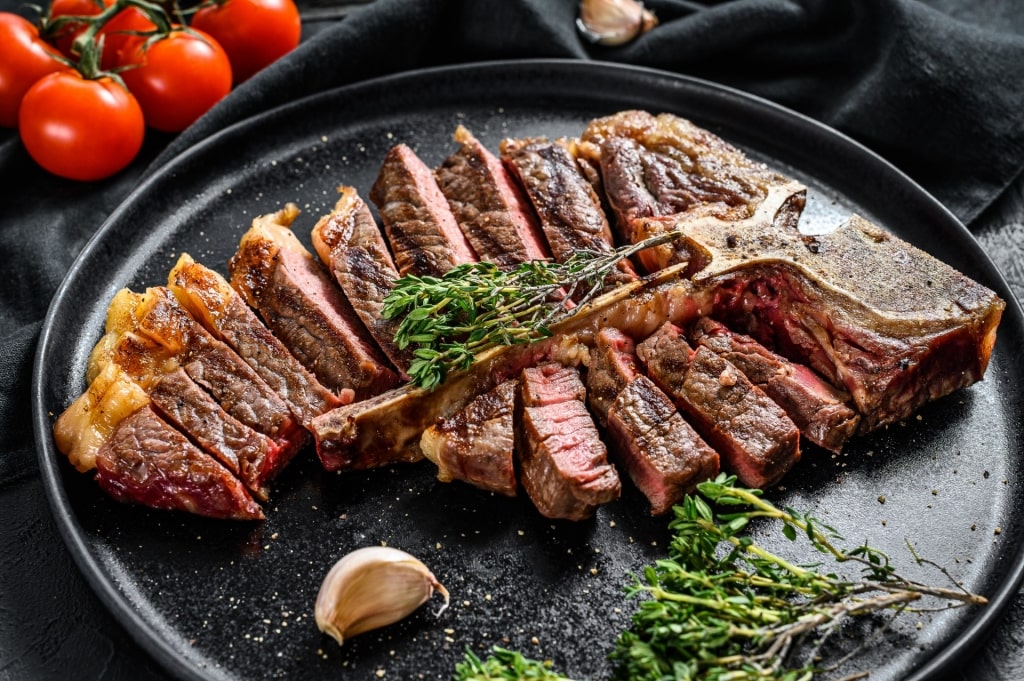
{"x": 755, "y": 438}
{"x": 563, "y": 463}
{"x": 612, "y": 367}
{"x": 252, "y": 456}
{"x": 350, "y": 243}
{"x": 569, "y": 209}
{"x": 302, "y": 306}
{"x": 490, "y": 209}
{"x": 421, "y": 229}
{"x": 819, "y": 410}
{"x": 664, "y": 166}
{"x": 145, "y": 461}
{"x": 212, "y": 301}
{"x": 889, "y": 323}
{"x": 477, "y": 444}
{"x": 239, "y": 390}
{"x": 663, "y": 454}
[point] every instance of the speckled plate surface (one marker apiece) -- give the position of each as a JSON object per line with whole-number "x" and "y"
{"x": 228, "y": 601}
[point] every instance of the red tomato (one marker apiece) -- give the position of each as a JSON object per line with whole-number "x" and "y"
{"x": 80, "y": 129}
{"x": 24, "y": 59}
{"x": 178, "y": 78}
{"x": 115, "y": 32}
{"x": 253, "y": 32}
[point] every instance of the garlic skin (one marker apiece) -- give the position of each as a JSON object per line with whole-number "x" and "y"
{"x": 614, "y": 22}
{"x": 370, "y": 588}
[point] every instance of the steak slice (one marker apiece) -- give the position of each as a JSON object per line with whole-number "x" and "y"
{"x": 820, "y": 410}
{"x": 250, "y": 455}
{"x": 476, "y": 445}
{"x": 754, "y": 437}
{"x": 246, "y": 453}
{"x": 212, "y": 301}
{"x": 568, "y": 207}
{"x": 423, "y": 233}
{"x": 663, "y": 454}
{"x": 351, "y": 244}
{"x": 662, "y": 166}
{"x": 563, "y": 463}
{"x": 238, "y": 389}
{"x": 490, "y": 209}
{"x": 278, "y": 277}
{"x": 612, "y": 367}
{"x": 146, "y": 461}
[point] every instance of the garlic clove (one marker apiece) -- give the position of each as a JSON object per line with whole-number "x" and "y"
{"x": 614, "y": 22}
{"x": 371, "y": 588}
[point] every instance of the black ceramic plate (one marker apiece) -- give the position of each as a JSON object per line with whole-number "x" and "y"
{"x": 220, "y": 600}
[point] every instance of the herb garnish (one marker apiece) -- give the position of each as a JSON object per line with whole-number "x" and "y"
{"x": 451, "y": 319}
{"x": 721, "y": 607}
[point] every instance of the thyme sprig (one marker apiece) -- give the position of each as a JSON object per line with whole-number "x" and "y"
{"x": 722, "y": 607}
{"x": 451, "y": 319}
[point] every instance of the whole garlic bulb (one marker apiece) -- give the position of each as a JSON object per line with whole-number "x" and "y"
{"x": 614, "y": 22}
{"x": 370, "y": 588}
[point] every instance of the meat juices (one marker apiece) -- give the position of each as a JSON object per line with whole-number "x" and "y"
{"x": 564, "y": 466}
{"x": 424, "y": 236}
{"x": 490, "y": 209}
{"x": 754, "y": 437}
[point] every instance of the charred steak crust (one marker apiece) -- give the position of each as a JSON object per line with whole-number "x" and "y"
{"x": 663, "y": 454}
{"x": 563, "y": 463}
{"x": 348, "y": 240}
{"x": 477, "y": 444}
{"x": 212, "y": 301}
{"x": 820, "y": 410}
{"x": 424, "y": 236}
{"x": 569, "y": 209}
{"x": 148, "y": 462}
{"x": 612, "y": 367}
{"x": 305, "y": 309}
{"x": 489, "y": 207}
{"x": 754, "y": 437}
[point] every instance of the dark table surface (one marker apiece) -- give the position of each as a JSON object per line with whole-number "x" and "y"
{"x": 53, "y": 627}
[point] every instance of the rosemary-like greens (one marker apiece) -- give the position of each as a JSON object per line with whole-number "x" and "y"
{"x": 449, "y": 320}
{"x": 722, "y": 607}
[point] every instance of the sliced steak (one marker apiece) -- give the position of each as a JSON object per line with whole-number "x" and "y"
{"x": 146, "y": 461}
{"x": 656, "y": 167}
{"x": 212, "y": 301}
{"x": 477, "y": 444}
{"x": 424, "y": 236}
{"x": 663, "y": 454}
{"x": 246, "y": 453}
{"x": 212, "y": 364}
{"x": 569, "y": 209}
{"x": 352, "y": 245}
{"x": 755, "y": 438}
{"x": 305, "y": 309}
{"x": 490, "y": 209}
{"x": 820, "y": 410}
{"x": 612, "y": 367}
{"x": 563, "y": 463}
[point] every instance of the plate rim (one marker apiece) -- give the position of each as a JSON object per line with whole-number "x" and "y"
{"x": 144, "y": 632}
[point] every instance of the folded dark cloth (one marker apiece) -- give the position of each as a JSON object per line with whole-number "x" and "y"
{"x": 938, "y": 97}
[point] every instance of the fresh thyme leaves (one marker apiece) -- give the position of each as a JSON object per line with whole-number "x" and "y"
{"x": 449, "y": 320}
{"x": 722, "y": 607}
{"x": 504, "y": 665}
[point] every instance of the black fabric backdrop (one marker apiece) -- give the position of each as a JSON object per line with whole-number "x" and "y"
{"x": 936, "y": 88}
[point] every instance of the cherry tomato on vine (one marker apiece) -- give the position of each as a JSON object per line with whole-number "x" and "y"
{"x": 177, "y": 78}
{"x": 78, "y": 128}
{"x": 24, "y": 59}
{"x": 116, "y": 33}
{"x": 254, "y": 33}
